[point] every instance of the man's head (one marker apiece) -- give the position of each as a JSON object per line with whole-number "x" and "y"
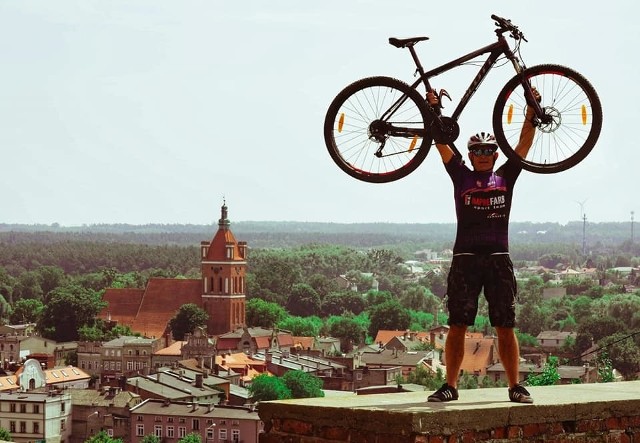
{"x": 482, "y": 151}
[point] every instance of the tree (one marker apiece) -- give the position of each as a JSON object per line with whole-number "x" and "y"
{"x": 349, "y": 330}
{"x": 188, "y": 317}
{"x": 266, "y": 387}
{"x": 302, "y": 384}
{"x": 303, "y": 300}
{"x": 191, "y": 438}
{"x": 5, "y": 435}
{"x": 623, "y": 352}
{"x": 264, "y": 313}
{"x": 548, "y": 376}
{"x": 102, "y": 437}
{"x": 67, "y": 309}
{"x": 150, "y": 439}
{"x": 338, "y": 303}
{"x": 388, "y": 315}
{"x": 301, "y": 326}
{"x": 26, "y": 310}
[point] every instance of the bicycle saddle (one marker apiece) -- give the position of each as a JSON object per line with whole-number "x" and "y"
{"x": 405, "y": 42}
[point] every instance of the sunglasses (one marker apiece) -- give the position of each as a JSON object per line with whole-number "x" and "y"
{"x": 483, "y": 151}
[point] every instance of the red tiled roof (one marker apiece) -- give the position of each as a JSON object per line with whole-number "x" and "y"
{"x": 122, "y": 304}
{"x": 148, "y": 311}
{"x": 218, "y": 246}
{"x": 478, "y": 355}
{"x": 385, "y": 335}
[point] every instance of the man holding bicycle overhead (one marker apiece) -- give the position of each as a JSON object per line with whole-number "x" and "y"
{"x": 481, "y": 259}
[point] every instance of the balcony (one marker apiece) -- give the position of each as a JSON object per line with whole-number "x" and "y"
{"x": 596, "y": 412}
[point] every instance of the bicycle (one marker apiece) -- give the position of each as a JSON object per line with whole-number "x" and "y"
{"x": 379, "y": 129}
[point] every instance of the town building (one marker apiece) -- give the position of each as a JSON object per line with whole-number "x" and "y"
{"x": 103, "y": 409}
{"x": 172, "y": 420}
{"x": 125, "y": 356}
{"x": 38, "y": 416}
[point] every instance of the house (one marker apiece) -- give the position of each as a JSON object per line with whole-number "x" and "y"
{"x": 395, "y": 358}
{"x": 18, "y": 348}
{"x": 220, "y": 291}
{"x": 552, "y": 340}
{"x": 252, "y": 340}
{"x": 175, "y": 385}
{"x": 280, "y": 362}
{"x": 23, "y": 330}
{"x": 173, "y": 420}
{"x": 106, "y": 408}
{"x": 36, "y": 415}
{"x": 167, "y": 356}
{"x": 32, "y": 376}
{"x": 126, "y": 355}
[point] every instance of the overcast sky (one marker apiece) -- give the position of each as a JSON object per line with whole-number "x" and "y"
{"x": 127, "y": 111}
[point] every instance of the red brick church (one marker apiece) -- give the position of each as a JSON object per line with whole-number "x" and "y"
{"x": 220, "y": 291}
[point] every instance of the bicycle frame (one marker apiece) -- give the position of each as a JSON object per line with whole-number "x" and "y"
{"x": 495, "y": 50}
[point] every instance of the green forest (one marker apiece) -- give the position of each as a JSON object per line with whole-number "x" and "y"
{"x": 55, "y": 276}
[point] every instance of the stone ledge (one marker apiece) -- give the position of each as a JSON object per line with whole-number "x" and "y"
{"x": 480, "y": 414}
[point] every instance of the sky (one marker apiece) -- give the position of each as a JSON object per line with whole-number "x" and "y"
{"x": 157, "y": 111}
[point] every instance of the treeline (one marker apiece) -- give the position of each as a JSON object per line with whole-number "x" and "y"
{"x": 287, "y": 234}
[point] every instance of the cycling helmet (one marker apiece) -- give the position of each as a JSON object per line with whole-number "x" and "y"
{"x": 482, "y": 139}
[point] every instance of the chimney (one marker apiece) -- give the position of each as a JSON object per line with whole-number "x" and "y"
{"x": 210, "y": 407}
{"x": 198, "y": 380}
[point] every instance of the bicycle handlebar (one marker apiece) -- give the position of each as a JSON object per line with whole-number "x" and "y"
{"x": 506, "y": 25}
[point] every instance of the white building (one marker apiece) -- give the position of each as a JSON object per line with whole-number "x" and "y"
{"x": 36, "y": 416}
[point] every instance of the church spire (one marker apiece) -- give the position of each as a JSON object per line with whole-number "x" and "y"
{"x": 224, "y": 222}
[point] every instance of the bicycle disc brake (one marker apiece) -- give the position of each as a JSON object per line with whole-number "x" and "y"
{"x": 445, "y": 131}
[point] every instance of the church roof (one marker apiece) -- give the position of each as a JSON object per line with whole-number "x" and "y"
{"x": 149, "y": 310}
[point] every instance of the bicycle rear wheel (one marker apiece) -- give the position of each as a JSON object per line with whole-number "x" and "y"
{"x": 575, "y": 118}
{"x": 367, "y": 140}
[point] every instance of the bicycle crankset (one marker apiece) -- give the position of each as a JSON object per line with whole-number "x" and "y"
{"x": 445, "y": 130}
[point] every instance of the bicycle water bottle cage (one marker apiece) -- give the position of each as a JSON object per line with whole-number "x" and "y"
{"x": 405, "y": 42}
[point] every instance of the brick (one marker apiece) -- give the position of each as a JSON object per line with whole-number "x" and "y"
{"x": 499, "y": 433}
{"x": 531, "y": 430}
{"x": 290, "y": 426}
{"x": 334, "y": 433}
{"x": 514, "y": 432}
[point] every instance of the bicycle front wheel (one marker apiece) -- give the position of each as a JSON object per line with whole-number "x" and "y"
{"x": 375, "y": 129}
{"x": 572, "y": 127}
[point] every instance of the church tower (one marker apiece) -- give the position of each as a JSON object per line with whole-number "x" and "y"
{"x": 223, "y": 264}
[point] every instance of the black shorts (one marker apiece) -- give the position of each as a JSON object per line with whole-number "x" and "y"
{"x": 469, "y": 274}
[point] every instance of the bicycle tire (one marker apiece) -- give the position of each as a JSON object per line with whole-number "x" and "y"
{"x": 348, "y": 131}
{"x": 577, "y": 118}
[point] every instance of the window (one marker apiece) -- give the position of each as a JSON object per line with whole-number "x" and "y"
{"x": 62, "y": 407}
{"x": 23, "y": 427}
{"x": 235, "y": 435}
{"x": 139, "y": 430}
{"x": 62, "y": 425}
{"x": 36, "y": 427}
{"x": 12, "y": 427}
{"x": 182, "y": 432}
{"x": 157, "y": 418}
{"x": 129, "y": 366}
{"x": 170, "y": 432}
{"x": 170, "y": 419}
{"x": 181, "y": 420}
{"x": 110, "y": 432}
{"x": 139, "y": 418}
{"x": 23, "y": 408}
{"x": 157, "y": 431}
{"x": 36, "y": 409}
{"x": 222, "y": 434}
{"x": 195, "y": 424}
{"x": 12, "y": 407}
